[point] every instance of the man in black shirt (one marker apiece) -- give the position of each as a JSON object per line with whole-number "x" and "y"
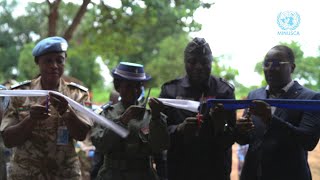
{"x": 199, "y": 151}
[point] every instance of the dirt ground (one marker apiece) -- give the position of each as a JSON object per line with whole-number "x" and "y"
{"x": 314, "y": 162}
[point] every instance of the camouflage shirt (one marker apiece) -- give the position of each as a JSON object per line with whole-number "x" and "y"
{"x": 41, "y": 157}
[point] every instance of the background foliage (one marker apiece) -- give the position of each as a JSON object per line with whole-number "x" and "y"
{"x": 150, "y": 32}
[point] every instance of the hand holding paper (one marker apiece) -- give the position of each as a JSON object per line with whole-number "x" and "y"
{"x": 88, "y": 112}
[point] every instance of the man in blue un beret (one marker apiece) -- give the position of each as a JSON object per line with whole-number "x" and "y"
{"x": 51, "y": 44}
{"x": 42, "y": 130}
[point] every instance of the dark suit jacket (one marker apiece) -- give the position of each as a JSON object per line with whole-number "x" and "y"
{"x": 279, "y": 152}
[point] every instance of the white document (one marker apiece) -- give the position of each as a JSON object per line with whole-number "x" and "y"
{"x": 188, "y": 105}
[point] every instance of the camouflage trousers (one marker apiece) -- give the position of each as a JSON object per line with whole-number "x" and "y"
{"x": 3, "y": 166}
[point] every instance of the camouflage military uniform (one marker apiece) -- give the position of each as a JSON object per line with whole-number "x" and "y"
{"x": 3, "y": 172}
{"x": 40, "y": 157}
{"x": 3, "y": 158}
{"x": 130, "y": 158}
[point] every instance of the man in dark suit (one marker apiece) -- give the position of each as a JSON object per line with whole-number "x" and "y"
{"x": 279, "y": 139}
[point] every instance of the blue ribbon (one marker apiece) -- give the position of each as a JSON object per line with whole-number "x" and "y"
{"x": 297, "y": 104}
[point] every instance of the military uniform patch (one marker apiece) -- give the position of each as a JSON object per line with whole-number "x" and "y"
{"x": 23, "y": 108}
{"x": 226, "y": 82}
{"x": 102, "y": 108}
{"x": 20, "y": 84}
{"x": 78, "y": 86}
{"x": 172, "y": 81}
{"x": 62, "y": 135}
{"x": 88, "y": 104}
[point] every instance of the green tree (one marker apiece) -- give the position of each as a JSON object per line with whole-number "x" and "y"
{"x": 129, "y": 33}
{"x": 307, "y": 68}
{"x": 10, "y": 39}
{"x": 223, "y": 71}
{"x": 28, "y": 68}
{"x": 168, "y": 63}
{"x": 81, "y": 63}
{"x": 133, "y": 31}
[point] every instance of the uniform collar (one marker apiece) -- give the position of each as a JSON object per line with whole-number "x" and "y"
{"x": 36, "y": 84}
{"x": 186, "y": 83}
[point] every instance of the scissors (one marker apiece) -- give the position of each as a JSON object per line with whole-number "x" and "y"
{"x": 199, "y": 115}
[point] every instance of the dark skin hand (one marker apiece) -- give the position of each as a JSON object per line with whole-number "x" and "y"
{"x": 245, "y": 124}
{"x": 77, "y": 128}
{"x": 217, "y": 114}
{"x": 262, "y": 110}
{"x": 38, "y": 112}
{"x": 156, "y": 107}
{"x": 189, "y": 126}
{"x": 59, "y": 103}
{"x": 137, "y": 112}
{"x": 17, "y": 134}
{"x": 133, "y": 112}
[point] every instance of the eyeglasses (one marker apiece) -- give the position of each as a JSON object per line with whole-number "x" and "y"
{"x": 275, "y": 64}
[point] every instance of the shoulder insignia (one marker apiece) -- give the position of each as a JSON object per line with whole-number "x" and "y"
{"x": 172, "y": 81}
{"x": 20, "y": 84}
{"x": 104, "y": 107}
{"x": 227, "y": 83}
{"x": 78, "y": 86}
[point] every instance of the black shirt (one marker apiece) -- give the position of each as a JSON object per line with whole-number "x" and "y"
{"x": 207, "y": 156}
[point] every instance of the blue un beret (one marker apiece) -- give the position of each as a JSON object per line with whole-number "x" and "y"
{"x": 50, "y": 44}
{"x": 130, "y": 71}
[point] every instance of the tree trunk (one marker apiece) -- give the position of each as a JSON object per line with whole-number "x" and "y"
{"x": 53, "y": 17}
{"x": 76, "y": 20}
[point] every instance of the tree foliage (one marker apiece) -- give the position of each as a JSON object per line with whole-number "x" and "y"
{"x": 168, "y": 64}
{"x": 151, "y": 32}
{"x": 27, "y": 67}
{"x": 131, "y": 32}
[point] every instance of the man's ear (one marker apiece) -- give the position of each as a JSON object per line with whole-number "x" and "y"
{"x": 293, "y": 66}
